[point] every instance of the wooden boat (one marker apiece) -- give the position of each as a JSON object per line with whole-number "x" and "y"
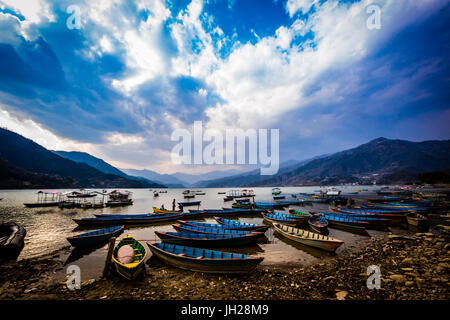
{"x": 276, "y": 191}
{"x": 297, "y": 213}
{"x": 416, "y": 220}
{"x": 221, "y": 192}
{"x": 369, "y": 211}
{"x": 318, "y": 224}
{"x": 119, "y": 203}
{"x": 308, "y": 238}
{"x": 158, "y": 210}
{"x": 271, "y": 218}
{"x": 204, "y": 260}
{"x": 241, "y": 225}
{"x": 373, "y": 219}
{"x": 46, "y": 199}
{"x": 130, "y": 270}
{"x": 95, "y": 237}
{"x": 268, "y": 205}
{"x": 137, "y": 215}
{"x": 186, "y": 228}
{"x": 236, "y": 226}
{"x": 226, "y": 211}
{"x": 208, "y": 239}
{"x": 189, "y": 203}
{"x": 245, "y": 205}
{"x": 279, "y": 197}
{"x": 156, "y": 194}
{"x": 201, "y": 193}
{"x": 115, "y": 220}
{"x": 12, "y": 237}
{"x": 346, "y": 222}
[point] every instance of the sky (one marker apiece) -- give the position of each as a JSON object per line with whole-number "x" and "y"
{"x": 115, "y": 78}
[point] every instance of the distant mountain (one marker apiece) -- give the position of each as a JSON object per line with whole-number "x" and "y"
{"x": 167, "y": 179}
{"x": 254, "y": 176}
{"x": 369, "y": 162}
{"x": 83, "y": 157}
{"x": 19, "y": 152}
{"x": 179, "y": 179}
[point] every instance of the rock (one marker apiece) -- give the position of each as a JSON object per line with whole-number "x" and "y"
{"x": 407, "y": 261}
{"x": 409, "y": 283}
{"x": 397, "y": 278}
{"x": 341, "y": 295}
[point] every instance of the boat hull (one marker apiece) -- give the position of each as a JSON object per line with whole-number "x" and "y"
{"x": 224, "y": 241}
{"x": 92, "y": 239}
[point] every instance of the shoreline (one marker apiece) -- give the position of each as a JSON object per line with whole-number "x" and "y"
{"x": 412, "y": 267}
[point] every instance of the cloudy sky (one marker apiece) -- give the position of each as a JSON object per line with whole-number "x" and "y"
{"x": 134, "y": 71}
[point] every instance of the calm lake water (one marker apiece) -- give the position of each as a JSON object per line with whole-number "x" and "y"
{"x": 48, "y": 228}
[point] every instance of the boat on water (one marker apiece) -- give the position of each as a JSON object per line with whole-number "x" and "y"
{"x": 308, "y": 238}
{"x": 271, "y": 218}
{"x": 189, "y": 203}
{"x": 46, "y": 199}
{"x": 186, "y": 228}
{"x": 159, "y": 210}
{"x": 226, "y": 211}
{"x": 155, "y": 193}
{"x": 221, "y": 192}
{"x": 241, "y": 225}
{"x": 346, "y": 223}
{"x": 236, "y": 194}
{"x": 200, "y": 193}
{"x": 208, "y": 239}
{"x": 118, "y": 198}
{"x": 369, "y": 211}
{"x": 417, "y": 220}
{"x": 242, "y": 205}
{"x": 130, "y": 270}
{"x": 318, "y": 223}
{"x": 204, "y": 260}
{"x": 95, "y": 237}
{"x": 276, "y": 191}
{"x": 235, "y": 226}
{"x": 279, "y": 197}
{"x": 189, "y": 195}
{"x": 12, "y": 236}
{"x": 124, "y": 219}
{"x": 331, "y": 192}
{"x": 268, "y": 205}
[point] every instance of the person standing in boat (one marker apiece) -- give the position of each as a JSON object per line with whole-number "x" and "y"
{"x": 162, "y": 207}
{"x": 173, "y": 205}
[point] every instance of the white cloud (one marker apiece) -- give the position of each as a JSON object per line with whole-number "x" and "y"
{"x": 293, "y": 6}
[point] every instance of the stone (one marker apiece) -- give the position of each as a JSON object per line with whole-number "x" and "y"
{"x": 341, "y": 295}
{"x": 409, "y": 283}
{"x": 397, "y": 278}
{"x": 407, "y": 261}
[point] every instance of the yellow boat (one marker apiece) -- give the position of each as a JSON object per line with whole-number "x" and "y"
{"x": 130, "y": 270}
{"x": 158, "y": 210}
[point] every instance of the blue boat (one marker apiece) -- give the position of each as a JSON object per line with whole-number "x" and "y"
{"x": 95, "y": 237}
{"x": 372, "y": 219}
{"x": 208, "y": 239}
{"x": 203, "y": 260}
{"x": 189, "y": 203}
{"x": 236, "y": 226}
{"x": 186, "y": 228}
{"x": 226, "y": 211}
{"x": 268, "y": 205}
{"x": 318, "y": 223}
{"x": 140, "y": 215}
{"x": 241, "y": 225}
{"x": 274, "y": 218}
{"x": 128, "y": 220}
{"x": 345, "y": 222}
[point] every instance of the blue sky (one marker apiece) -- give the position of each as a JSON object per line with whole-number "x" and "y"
{"x": 135, "y": 71}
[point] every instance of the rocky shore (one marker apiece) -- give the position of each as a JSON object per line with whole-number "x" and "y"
{"x": 412, "y": 267}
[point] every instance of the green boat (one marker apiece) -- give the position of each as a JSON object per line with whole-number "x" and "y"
{"x": 130, "y": 270}
{"x": 298, "y": 213}
{"x": 246, "y": 205}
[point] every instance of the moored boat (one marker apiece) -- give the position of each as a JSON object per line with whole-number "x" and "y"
{"x": 95, "y": 237}
{"x": 308, "y": 238}
{"x": 204, "y": 260}
{"x": 159, "y": 210}
{"x": 12, "y": 237}
{"x": 271, "y": 218}
{"x": 234, "y": 226}
{"x": 147, "y": 219}
{"x": 417, "y": 220}
{"x": 268, "y": 205}
{"x": 208, "y": 239}
{"x": 189, "y": 203}
{"x": 318, "y": 223}
{"x": 186, "y": 228}
{"x": 132, "y": 269}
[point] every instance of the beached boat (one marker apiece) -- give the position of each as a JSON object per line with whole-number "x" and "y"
{"x": 188, "y": 203}
{"x": 208, "y": 239}
{"x": 204, "y": 260}
{"x": 369, "y": 211}
{"x": 12, "y": 237}
{"x": 186, "y": 228}
{"x": 124, "y": 219}
{"x": 308, "y": 238}
{"x": 229, "y": 225}
{"x": 95, "y": 237}
{"x": 297, "y": 213}
{"x": 158, "y": 210}
{"x": 318, "y": 223}
{"x": 417, "y": 220}
{"x": 347, "y": 223}
{"x": 271, "y": 218}
{"x": 130, "y": 270}
{"x": 372, "y": 219}
{"x": 226, "y": 211}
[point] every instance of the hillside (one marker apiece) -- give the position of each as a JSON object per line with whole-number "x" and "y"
{"x": 29, "y": 156}
{"x": 369, "y": 162}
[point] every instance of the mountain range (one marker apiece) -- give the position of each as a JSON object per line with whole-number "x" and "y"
{"x": 25, "y": 164}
